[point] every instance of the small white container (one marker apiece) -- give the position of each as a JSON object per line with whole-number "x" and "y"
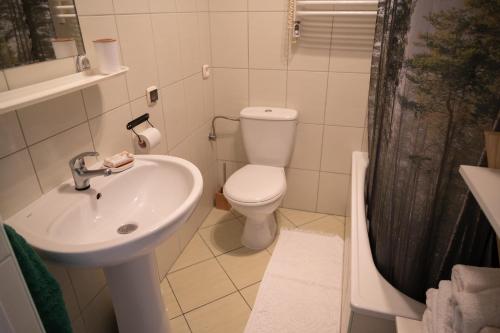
{"x": 64, "y": 47}
{"x": 108, "y": 55}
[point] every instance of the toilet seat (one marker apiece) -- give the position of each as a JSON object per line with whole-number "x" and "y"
{"x": 255, "y": 184}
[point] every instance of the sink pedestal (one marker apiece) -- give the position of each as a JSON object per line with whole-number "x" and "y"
{"x": 135, "y": 291}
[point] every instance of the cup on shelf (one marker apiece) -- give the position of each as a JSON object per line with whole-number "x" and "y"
{"x": 64, "y": 47}
{"x": 108, "y": 55}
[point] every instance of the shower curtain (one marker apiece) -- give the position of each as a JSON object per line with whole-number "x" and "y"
{"x": 435, "y": 88}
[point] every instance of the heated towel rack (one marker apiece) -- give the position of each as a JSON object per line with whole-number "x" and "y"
{"x": 311, "y": 8}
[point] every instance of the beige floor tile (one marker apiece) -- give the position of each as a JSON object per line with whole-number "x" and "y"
{"x": 217, "y": 216}
{"x": 250, "y": 293}
{"x": 200, "y": 284}
{"x": 227, "y": 315}
{"x": 223, "y": 237}
{"x": 171, "y": 305}
{"x": 179, "y": 325}
{"x": 195, "y": 252}
{"x": 244, "y": 266}
{"x": 330, "y": 224}
{"x": 299, "y": 217}
{"x": 283, "y": 223}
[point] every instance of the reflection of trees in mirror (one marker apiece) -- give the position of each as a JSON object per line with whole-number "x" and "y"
{"x": 437, "y": 92}
{"x": 26, "y": 30}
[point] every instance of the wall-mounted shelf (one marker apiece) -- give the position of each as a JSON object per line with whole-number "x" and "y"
{"x": 11, "y": 100}
{"x": 484, "y": 183}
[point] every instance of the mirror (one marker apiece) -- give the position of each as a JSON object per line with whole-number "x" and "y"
{"x": 38, "y": 30}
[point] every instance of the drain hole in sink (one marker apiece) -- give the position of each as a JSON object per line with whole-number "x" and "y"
{"x": 127, "y": 228}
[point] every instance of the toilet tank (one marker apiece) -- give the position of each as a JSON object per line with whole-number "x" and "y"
{"x": 268, "y": 134}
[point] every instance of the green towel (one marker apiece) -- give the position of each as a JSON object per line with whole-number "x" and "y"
{"x": 43, "y": 287}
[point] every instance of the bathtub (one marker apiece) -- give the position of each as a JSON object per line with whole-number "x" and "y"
{"x": 370, "y": 303}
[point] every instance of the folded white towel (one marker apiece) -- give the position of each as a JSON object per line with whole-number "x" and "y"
{"x": 443, "y": 315}
{"x": 472, "y": 279}
{"x": 431, "y": 298}
{"x": 474, "y": 311}
{"x": 489, "y": 329}
{"x": 427, "y": 321}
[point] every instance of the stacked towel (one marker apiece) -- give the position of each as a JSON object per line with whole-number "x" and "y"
{"x": 439, "y": 313}
{"x": 469, "y": 303}
{"x": 472, "y": 279}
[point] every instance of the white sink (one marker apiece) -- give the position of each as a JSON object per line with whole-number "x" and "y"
{"x": 85, "y": 228}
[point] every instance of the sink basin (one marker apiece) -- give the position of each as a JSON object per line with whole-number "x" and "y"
{"x": 116, "y": 224}
{"x": 151, "y": 199}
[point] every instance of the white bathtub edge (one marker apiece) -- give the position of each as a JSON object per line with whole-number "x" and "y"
{"x": 371, "y": 294}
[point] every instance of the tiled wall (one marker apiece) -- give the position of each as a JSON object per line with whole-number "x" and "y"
{"x": 325, "y": 78}
{"x": 164, "y": 43}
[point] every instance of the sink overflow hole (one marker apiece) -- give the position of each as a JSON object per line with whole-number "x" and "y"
{"x": 127, "y": 228}
{"x": 98, "y": 196}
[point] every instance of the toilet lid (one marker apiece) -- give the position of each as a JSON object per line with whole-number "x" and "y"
{"x": 255, "y": 183}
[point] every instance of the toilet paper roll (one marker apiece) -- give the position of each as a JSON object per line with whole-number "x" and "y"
{"x": 150, "y": 137}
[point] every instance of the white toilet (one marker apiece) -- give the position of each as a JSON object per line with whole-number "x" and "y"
{"x": 257, "y": 189}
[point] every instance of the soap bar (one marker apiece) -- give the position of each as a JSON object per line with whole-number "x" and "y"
{"x": 118, "y": 160}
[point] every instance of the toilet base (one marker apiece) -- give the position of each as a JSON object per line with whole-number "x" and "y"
{"x": 259, "y": 231}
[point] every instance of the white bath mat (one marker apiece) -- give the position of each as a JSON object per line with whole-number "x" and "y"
{"x": 302, "y": 286}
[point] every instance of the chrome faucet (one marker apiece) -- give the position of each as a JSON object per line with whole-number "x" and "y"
{"x": 81, "y": 174}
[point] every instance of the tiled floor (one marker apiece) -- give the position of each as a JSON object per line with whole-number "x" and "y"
{"x": 212, "y": 286}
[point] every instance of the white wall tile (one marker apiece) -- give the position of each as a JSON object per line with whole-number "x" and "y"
{"x": 347, "y": 99}
{"x": 189, "y": 35}
{"x": 45, "y": 119}
{"x": 96, "y": 27}
{"x": 229, "y": 39}
{"x": 332, "y": 194}
{"x": 140, "y": 107}
{"x": 166, "y": 254}
{"x": 194, "y": 101}
{"x": 208, "y": 97}
{"x": 93, "y": 7}
{"x": 182, "y": 150}
{"x": 136, "y": 40}
{"x": 175, "y": 114}
{"x": 130, "y": 6}
{"x": 11, "y": 137}
{"x": 99, "y": 316}
{"x": 202, "y": 5}
{"x": 110, "y": 133}
{"x": 364, "y": 144}
{"x": 230, "y": 90}
{"x": 267, "y": 5}
{"x": 205, "y": 44}
{"x": 336, "y": 157}
{"x": 302, "y": 189}
{"x": 62, "y": 277}
{"x": 105, "y": 96}
{"x": 162, "y": 6}
{"x": 88, "y": 282}
{"x": 18, "y": 183}
{"x": 186, "y": 5}
{"x": 267, "y": 88}
{"x": 167, "y": 46}
{"x": 228, "y": 5}
{"x": 229, "y": 142}
{"x": 307, "y": 149}
{"x": 267, "y": 42}
{"x": 307, "y": 94}
{"x": 51, "y": 156}
{"x": 350, "y": 61}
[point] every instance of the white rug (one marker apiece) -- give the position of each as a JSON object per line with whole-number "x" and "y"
{"x": 302, "y": 287}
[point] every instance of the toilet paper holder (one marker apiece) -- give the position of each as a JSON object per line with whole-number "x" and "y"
{"x": 137, "y": 121}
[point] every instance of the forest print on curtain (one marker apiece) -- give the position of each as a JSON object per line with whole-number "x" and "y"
{"x": 435, "y": 87}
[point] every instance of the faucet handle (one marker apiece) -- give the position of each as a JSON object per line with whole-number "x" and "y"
{"x": 78, "y": 159}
